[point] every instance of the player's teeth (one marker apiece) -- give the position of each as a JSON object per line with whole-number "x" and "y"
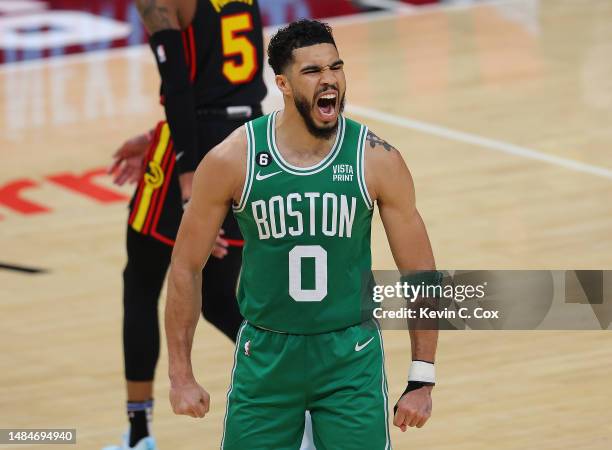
{"x": 329, "y": 96}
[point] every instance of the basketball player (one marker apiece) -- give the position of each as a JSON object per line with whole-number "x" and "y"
{"x": 303, "y": 345}
{"x": 210, "y": 58}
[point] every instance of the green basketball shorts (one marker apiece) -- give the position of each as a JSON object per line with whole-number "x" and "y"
{"x": 339, "y": 377}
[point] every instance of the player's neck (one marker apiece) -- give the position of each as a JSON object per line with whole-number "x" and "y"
{"x": 293, "y": 136}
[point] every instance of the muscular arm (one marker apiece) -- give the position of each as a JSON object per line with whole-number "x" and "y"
{"x": 390, "y": 180}
{"x": 158, "y": 14}
{"x": 163, "y": 20}
{"x": 390, "y": 184}
{"x": 218, "y": 180}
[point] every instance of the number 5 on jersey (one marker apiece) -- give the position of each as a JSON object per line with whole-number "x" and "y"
{"x": 235, "y": 44}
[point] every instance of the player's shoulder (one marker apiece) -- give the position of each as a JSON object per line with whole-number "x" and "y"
{"x": 380, "y": 153}
{"x": 159, "y": 15}
{"x": 231, "y": 150}
{"x": 228, "y": 157}
{"x": 384, "y": 166}
{"x": 225, "y": 164}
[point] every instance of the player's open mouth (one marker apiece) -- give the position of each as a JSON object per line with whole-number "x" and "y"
{"x": 326, "y": 105}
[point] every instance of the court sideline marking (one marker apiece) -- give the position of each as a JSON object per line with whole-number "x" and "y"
{"x": 22, "y": 269}
{"x": 480, "y": 141}
{"x": 469, "y": 138}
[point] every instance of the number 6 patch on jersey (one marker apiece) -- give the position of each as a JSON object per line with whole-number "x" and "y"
{"x": 263, "y": 159}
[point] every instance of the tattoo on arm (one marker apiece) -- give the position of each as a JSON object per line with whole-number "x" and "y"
{"x": 375, "y": 140}
{"x": 155, "y": 17}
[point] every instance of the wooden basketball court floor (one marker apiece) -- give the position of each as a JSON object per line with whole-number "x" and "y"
{"x": 503, "y": 113}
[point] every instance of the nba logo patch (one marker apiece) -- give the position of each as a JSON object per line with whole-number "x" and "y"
{"x": 247, "y": 348}
{"x": 161, "y": 54}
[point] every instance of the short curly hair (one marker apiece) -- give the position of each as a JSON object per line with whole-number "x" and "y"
{"x": 298, "y": 34}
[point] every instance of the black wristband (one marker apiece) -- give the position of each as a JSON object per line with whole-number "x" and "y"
{"x": 412, "y": 386}
{"x": 424, "y": 277}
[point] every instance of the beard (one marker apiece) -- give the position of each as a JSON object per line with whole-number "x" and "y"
{"x": 304, "y": 107}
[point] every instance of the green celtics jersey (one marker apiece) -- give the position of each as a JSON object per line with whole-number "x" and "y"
{"x": 306, "y": 258}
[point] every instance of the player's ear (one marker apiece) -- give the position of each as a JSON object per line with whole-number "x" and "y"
{"x": 283, "y": 84}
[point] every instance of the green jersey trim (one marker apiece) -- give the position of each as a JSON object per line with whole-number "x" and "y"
{"x": 361, "y": 167}
{"x": 324, "y": 163}
{"x": 231, "y": 387}
{"x": 385, "y": 388}
{"x": 250, "y": 168}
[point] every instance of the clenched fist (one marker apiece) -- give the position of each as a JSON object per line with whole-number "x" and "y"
{"x": 189, "y": 399}
{"x": 413, "y": 409}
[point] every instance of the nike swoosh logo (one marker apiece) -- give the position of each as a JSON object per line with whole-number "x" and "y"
{"x": 179, "y": 155}
{"x": 358, "y": 347}
{"x": 259, "y": 176}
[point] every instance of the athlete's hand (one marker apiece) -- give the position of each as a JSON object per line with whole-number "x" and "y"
{"x": 185, "y": 181}
{"x": 189, "y": 399}
{"x": 413, "y": 409}
{"x": 220, "y": 248}
{"x": 127, "y": 160}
